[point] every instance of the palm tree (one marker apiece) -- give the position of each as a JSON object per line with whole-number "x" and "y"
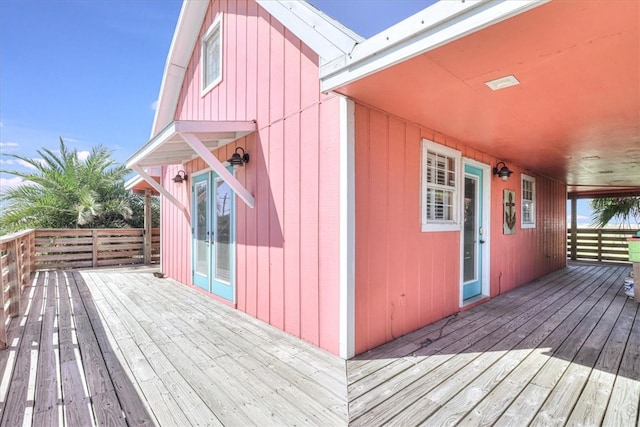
{"x": 63, "y": 191}
{"x": 626, "y": 210}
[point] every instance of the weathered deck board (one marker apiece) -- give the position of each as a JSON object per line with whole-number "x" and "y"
{"x": 442, "y": 358}
{"x": 565, "y": 355}
{"x": 120, "y": 347}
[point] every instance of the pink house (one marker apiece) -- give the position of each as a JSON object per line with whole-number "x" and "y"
{"x": 350, "y": 191}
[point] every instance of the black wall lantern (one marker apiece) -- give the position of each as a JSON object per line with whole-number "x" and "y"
{"x": 236, "y": 160}
{"x": 503, "y": 172}
{"x": 180, "y": 177}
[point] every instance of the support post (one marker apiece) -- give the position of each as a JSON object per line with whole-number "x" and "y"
{"x": 147, "y": 227}
{"x": 14, "y": 279}
{"x": 574, "y": 227}
{"x": 94, "y": 247}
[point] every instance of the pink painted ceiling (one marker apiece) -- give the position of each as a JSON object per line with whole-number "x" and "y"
{"x": 575, "y": 115}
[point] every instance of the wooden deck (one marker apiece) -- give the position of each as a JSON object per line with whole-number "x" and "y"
{"x": 564, "y": 350}
{"x": 120, "y": 347}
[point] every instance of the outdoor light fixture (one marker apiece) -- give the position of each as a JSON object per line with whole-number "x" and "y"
{"x": 236, "y": 160}
{"x": 504, "y": 173}
{"x": 180, "y": 177}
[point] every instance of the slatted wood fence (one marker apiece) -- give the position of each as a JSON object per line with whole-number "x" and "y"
{"x": 81, "y": 248}
{"x": 17, "y": 256}
{"x": 25, "y": 252}
{"x": 598, "y": 244}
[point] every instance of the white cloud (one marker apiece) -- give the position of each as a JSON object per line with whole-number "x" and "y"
{"x": 9, "y": 145}
{"x": 7, "y": 161}
{"x": 82, "y": 155}
{"x": 24, "y": 164}
{"x": 6, "y": 183}
{"x": 154, "y": 105}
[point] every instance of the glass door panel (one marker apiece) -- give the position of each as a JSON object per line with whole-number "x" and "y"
{"x": 472, "y": 233}
{"x": 223, "y": 231}
{"x": 201, "y": 248}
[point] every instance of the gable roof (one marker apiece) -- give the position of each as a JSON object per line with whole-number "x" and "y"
{"x": 323, "y": 34}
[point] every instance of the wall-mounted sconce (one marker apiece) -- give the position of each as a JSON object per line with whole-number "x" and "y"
{"x": 180, "y": 177}
{"x": 236, "y": 160}
{"x": 503, "y": 172}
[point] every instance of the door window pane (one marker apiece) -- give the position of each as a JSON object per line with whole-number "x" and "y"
{"x": 200, "y": 231}
{"x": 223, "y": 200}
{"x": 470, "y": 225}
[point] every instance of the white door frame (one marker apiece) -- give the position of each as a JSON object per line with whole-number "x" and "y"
{"x": 486, "y": 227}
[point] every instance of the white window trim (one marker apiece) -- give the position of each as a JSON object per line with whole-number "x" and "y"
{"x": 217, "y": 23}
{"x": 523, "y": 178}
{"x": 454, "y": 224}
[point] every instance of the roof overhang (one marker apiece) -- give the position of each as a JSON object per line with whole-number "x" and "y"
{"x": 170, "y": 148}
{"x": 573, "y": 117}
{"x": 183, "y": 141}
{"x": 436, "y": 25}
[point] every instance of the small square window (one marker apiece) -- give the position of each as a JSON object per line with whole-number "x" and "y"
{"x": 212, "y": 56}
{"x": 528, "y": 202}
{"x": 440, "y": 185}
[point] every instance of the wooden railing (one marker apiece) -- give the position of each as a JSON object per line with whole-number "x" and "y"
{"x": 598, "y": 244}
{"x": 16, "y": 265}
{"x": 81, "y": 248}
{"x": 23, "y": 253}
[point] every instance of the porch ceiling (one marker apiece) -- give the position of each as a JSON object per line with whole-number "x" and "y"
{"x": 169, "y": 148}
{"x": 575, "y": 116}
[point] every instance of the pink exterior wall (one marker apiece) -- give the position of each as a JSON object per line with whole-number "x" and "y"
{"x": 287, "y": 246}
{"x": 406, "y": 278}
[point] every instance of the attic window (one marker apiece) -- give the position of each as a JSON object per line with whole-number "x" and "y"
{"x": 212, "y": 56}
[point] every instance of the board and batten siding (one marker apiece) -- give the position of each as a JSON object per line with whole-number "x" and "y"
{"x": 287, "y": 247}
{"x": 406, "y": 278}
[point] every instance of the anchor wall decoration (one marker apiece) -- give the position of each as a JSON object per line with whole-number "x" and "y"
{"x": 509, "y": 200}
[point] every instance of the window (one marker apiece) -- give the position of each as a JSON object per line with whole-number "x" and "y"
{"x": 212, "y": 56}
{"x": 528, "y": 202}
{"x": 440, "y": 184}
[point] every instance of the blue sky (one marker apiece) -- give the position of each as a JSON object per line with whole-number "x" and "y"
{"x": 89, "y": 71}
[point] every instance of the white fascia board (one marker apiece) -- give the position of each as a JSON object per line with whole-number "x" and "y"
{"x": 218, "y": 168}
{"x": 151, "y": 146}
{"x": 324, "y": 35}
{"x": 437, "y": 25}
{"x": 152, "y": 182}
{"x": 184, "y": 40}
{"x": 133, "y": 182}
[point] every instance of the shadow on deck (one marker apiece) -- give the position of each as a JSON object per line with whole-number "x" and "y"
{"x": 120, "y": 347}
{"x": 564, "y": 349}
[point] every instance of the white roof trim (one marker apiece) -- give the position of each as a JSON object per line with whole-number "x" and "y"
{"x": 438, "y": 24}
{"x": 184, "y": 39}
{"x": 168, "y": 147}
{"x": 326, "y": 36}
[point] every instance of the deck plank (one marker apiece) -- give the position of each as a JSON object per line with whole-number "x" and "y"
{"x": 47, "y": 409}
{"x": 531, "y": 353}
{"x": 259, "y": 363}
{"x": 18, "y": 409}
{"x": 442, "y": 359}
{"x": 97, "y": 344}
{"x": 624, "y": 403}
{"x": 459, "y": 395}
{"x": 568, "y": 336}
